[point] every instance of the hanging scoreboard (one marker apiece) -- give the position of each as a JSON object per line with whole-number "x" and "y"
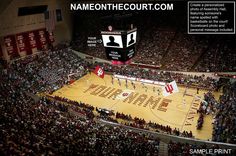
{"x": 119, "y": 45}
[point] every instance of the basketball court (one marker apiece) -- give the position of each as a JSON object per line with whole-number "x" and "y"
{"x": 177, "y": 111}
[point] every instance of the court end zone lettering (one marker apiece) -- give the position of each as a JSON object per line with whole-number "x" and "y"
{"x": 134, "y": 98}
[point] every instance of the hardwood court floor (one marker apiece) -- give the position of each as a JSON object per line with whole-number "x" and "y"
{"x": 141, "y": 102}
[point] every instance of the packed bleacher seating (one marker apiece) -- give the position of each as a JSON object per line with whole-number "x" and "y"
{"x": 186, "y": 149}
{"x": 49, "y": 126}
{"x": 141, "y": 123}
{"x": 184, "y": 52}
{"x": 177, "y": 148}
{"x": 224, "y": 129}
{"x": 163, "y": 76}
{"x": 207, "y": 106}
{"x": 34, "y": 71}
{"x": 179, "y": 52}
{"x": 167, "y": 46}
{"x": 48, "y": 71}
{"x": 153, "y": 45}
{"x": 220, "y": 57}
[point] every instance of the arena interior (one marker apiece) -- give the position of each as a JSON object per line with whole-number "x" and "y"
{"x": 52, "y": 101}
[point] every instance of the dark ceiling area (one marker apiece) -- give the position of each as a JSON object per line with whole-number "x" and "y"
{"x": 4, "y": 4}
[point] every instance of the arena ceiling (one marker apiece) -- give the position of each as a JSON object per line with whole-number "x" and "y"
{"x": 4, "y": 4}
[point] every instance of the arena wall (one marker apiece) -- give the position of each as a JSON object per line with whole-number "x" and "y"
{"x": 12, "y": 24}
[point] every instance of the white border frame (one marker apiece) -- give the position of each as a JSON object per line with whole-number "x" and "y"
{"x": 233, "y": 2}
{"x": 105, "y": 46}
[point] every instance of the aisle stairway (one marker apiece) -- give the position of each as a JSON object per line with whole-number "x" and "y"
{"x": 163, "y": 149}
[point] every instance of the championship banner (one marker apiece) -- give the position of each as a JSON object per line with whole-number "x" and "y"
{"x": 21, "y": 42}
{"x": 170, "y": 88}
{"x": 32, "y": 40}
{"x": 99, "y": 72}
{"x": 42, "y": 37}
{"x": 51, "y": 37}
{"x": 10, "y": 44}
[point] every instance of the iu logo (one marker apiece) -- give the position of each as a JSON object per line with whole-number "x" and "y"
{"x": 125, "y": 94}
{"x": 100, "y": 72}
{"x": 110, "y": 28}
{"x": 169, "y": 88}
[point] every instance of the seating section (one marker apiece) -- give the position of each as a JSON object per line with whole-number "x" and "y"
{"x": 184, "y": 52}
{"x": 224, "y": 119}
{"x": 171, "y": 48}
{"x": 153, "y": 46}
{"x": 46, "y": 125}
{"x": 220, "y": 57}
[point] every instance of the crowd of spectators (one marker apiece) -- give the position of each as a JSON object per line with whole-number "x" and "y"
{"x": 220, "y": 56}
{"x": 167, "y": 129}
{"x": 79, "y": 107}
{"x": 47, "y": 71}
{"x": 186, "y": 149}
{"x": 163, "y": 76}
{"x": 109, "y": 115}
{"x": 165, "y": 46}
{"x": 98, "y": 51}
{"x": 184, "y": 52}
{"x": 224, "y": 129}
{"x": 141, "y": 123}
{"x": 177, "y": 148}
{"x": 207, "y": 106}
{"x": 44, "y": 128}
{"x": 200, "y": 121}
{"x": 153, "y": 45}
{"x": 172, "y": 49}
{"x": 47, "y": 126}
